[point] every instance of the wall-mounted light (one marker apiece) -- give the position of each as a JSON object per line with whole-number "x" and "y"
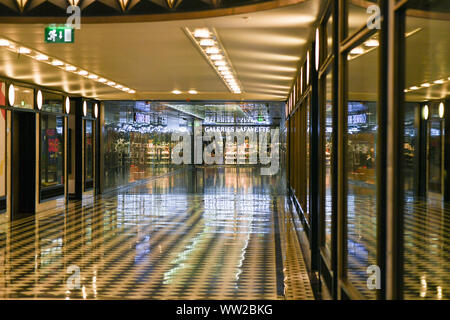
{"x": 84, "y": 108}
{"x": 441, "y": 110}
{"x": 11, "y": 95}
{"x": 317, "y": 49}
{"x": 67, "y": 104}
{"x": 425, "y": 112}
{"x": 307, "y": 68}
{"x": 39, "y": 99}
{"x": 96, "y": 110}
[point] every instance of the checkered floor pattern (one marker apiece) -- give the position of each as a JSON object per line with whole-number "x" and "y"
{"x": 233, "y": 239}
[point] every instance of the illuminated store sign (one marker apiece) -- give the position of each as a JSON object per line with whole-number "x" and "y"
{"x": 142, "y": 117}
{"x": 237, "y": 129}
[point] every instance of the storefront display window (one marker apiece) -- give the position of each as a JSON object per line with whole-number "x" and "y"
{"x": 360, "y": 160}
{"x": 328, "y": 159}
{"x": 52, "y": 102}
{"x": 88, "y": 153}
{"x": 52, "y": 151}
{"x": 24, "y": 97}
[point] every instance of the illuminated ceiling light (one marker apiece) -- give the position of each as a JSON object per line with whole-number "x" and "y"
{"x": 192, "y": 91}
{"x": 317, "y": 49}
{"x": 207, "y": 42}
{"x": 41, "y": 57}
{"x": 11, "y": 95}
{"x": 441, "y": 110}
{"x": 425, "y": 85}
{"x": 96, "y": 110}
{"x": 212, "y": 50}
{"x": 414, "y": 88}
{"x": 406, "y": 90}
{"x": 111, "y": 83}
{"x": 372, "y": 43}
{"x": 132, "y": 91}
{"x": 23, "y": 50}
{"x": 85, "y": 108}
{"x": 357, "y": 50}
{"x": 176, "y": 91}
{"x": 439, "y": 81}
{"x": 50, "y": 60}
{"x": 67, "y": 103}
{"x": 202, "y": 33}
{"x": 39, "y": 99}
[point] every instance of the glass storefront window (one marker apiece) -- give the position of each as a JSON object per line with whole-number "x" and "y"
{"x": 88, "y": 151}
{"x": 426, "y": 150}
{"x": 52, "y": 151}
{"x": 24, "y": 97}
{"x": 358, "y": 15}
{"x": 328, "y": 158}
{"x": 2, "y": 152}
{"x": 52, "y": 102}
{"x": 363, "y": 66}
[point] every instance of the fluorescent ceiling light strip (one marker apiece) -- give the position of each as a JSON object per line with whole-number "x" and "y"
{"x": 43, "y": 58}
{"x": 208, "y": 43}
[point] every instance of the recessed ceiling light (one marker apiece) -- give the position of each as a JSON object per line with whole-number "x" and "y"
{"x": 132, "y": 91}
{"x": 102, "y": 80}
{"x": 93, "y": 76}
{"x": 206, "y": 42}
{"x": 414, "y": 88}
{"x": 425, "y": 85}
{"x": 57, "y": 63}
{"x": 357, "y": 50}
{"x": 119, "y": 86}
{"x": 23, "y": 50}
{"x": 220, "y": 63}
{"x": 201, "y": 33}
{"x": 70, "y": 68}
{"x": 111, "y": 83}
{"x": 41, "y": 57}
{"x": 4, "y": 43}
{"x": 228, "y": 76}
{"x": 192, "y": 91}
{"x": 439, "y": 81}
{"x": 176, "y": 91}
{"x": 212, "y": 50}
{"x": 372, "y": 43}
{"x": 224, "y": 73}
{"x": 223, "y": 68}
{"x": 216, "y": 57}
{"x": 83, "y": 73}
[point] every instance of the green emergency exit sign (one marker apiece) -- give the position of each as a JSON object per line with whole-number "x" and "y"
{"x": 59, "y": 34}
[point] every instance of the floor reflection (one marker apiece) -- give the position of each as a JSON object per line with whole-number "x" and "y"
{"x": 207, "y": 233}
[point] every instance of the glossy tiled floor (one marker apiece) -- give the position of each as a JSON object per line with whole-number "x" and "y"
{"x": 216, "y": 233}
